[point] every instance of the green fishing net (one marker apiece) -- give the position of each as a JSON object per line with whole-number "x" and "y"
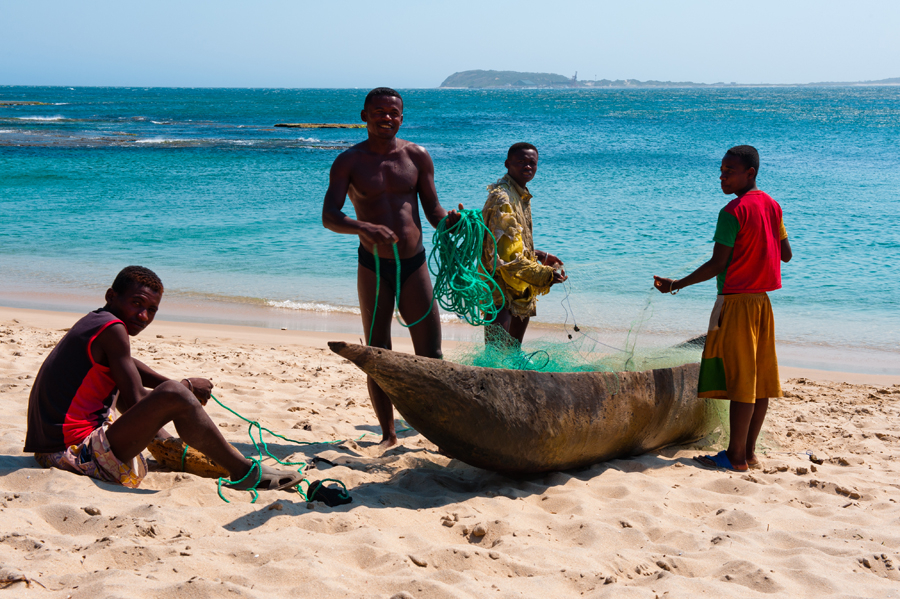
{"x": 573, "y": 349}
{"x": 463, "y": 288}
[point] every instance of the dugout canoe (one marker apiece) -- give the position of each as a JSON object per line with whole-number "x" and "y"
{"x": 528, "y": 422}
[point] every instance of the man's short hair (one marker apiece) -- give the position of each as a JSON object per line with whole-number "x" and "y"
{"x": 136, "y": 275}
{"x": 382, "y": 91}
{"x": 748, "y": 156}
{"x": 522, "y": 145}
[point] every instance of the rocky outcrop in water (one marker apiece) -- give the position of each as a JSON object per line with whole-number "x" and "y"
{"x": 322, "y": 125}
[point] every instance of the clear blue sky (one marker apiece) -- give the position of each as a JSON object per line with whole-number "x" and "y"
{"x": 417, "y": 43}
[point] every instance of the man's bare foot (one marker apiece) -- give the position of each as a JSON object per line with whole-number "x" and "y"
{"x": 388, "y": 442}
{"x": 266, "y": 479}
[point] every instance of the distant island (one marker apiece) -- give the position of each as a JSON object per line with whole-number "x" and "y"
{"x": 514, "y": 79}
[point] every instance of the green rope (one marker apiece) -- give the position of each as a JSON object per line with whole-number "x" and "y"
{"x": 460, "y": 284}
{"x": 254, "y": 425}
{"x": 252, "y": 489}
{"x": 184, "y": 455}
{"x": 430, "y": 305}
{"x": 397, "y": 295}
{"x": 377, "y": 289}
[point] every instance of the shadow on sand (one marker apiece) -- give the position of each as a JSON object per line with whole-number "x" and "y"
{"x": 417, "y": 480}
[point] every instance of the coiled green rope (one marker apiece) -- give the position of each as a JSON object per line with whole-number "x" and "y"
{"x": 264, "y": 449}
{"x": 460, "y": 284}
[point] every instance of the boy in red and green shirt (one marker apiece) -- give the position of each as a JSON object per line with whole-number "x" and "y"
{"x": 739, "y": 361}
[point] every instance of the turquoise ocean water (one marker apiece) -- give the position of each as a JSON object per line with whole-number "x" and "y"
{"x": 197, "y": 185}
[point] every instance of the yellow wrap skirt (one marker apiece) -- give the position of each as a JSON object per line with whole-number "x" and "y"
{"x": 739, "y": 361}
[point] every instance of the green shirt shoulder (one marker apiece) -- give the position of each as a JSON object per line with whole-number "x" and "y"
{"x": 726, "y": 233}
{"x": 726, "y": 228}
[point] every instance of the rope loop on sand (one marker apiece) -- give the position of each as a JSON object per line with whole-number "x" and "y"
{"x": 262, "y": 448}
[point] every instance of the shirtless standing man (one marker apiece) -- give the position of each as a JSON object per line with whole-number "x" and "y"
{"x": 386, "y": 177}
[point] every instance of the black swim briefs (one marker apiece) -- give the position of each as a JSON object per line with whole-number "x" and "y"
{"x": 388, "y": 266}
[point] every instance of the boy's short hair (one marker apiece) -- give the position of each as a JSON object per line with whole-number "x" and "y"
{"x": 382, "y": 91}
{"x": 748, "y": 156}
{"x": 136, "y": 275}
{"x": 522, "y": 145}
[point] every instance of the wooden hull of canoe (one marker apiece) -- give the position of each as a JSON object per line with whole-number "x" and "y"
{"x": 525, "y": 422}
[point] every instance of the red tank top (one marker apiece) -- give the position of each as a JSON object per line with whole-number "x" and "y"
{"x": 72, "y": 394}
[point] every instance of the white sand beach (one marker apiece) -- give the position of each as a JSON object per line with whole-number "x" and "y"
{"x": 422, "y": 525}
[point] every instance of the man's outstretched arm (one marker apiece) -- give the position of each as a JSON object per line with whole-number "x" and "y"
{"x": 706, "y": 271}
{"x": 548, "y": 259}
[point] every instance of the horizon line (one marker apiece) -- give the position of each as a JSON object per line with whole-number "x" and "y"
{"x": 679, "y": 85}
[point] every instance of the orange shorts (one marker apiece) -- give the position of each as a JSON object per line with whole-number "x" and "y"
{"x": 739, "y": 361}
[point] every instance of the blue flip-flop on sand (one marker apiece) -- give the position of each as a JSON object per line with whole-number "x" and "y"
{"x": 719, "y": 461}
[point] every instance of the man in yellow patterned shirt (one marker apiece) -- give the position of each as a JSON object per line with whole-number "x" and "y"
{"x": 522, "y": 272}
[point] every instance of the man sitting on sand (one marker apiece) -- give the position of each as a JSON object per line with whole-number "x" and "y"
{"x": 69, "y": 424}
{"x": 386, "y": 177}
{"x": 739, "y": 361}
{"x": 523, "y": 273}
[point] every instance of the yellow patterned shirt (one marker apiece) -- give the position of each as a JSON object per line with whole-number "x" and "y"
{"x": 507, "y": 213}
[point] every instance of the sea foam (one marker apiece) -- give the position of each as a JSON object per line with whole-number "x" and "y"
{"x": 40, "y": 118}
{"x": 321, "y": 307}
{"x": 313, "y": 307}
{"x": 159, "y": 140}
